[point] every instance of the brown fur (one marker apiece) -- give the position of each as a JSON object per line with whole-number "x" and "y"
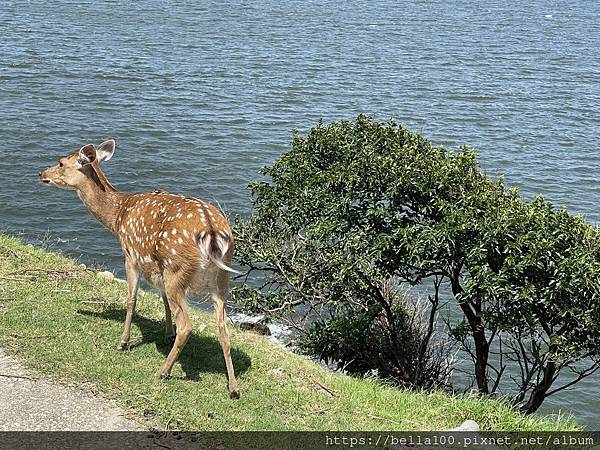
{"x": 178, "y": 244}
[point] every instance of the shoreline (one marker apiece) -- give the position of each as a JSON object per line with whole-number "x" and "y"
{"x": 278, "y": 331}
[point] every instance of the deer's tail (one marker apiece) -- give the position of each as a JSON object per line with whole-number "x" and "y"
{"x": 215, "y": 245}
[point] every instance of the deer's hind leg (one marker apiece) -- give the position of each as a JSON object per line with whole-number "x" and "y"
{"x": 219, "y": 297}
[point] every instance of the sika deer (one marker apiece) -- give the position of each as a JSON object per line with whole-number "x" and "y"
{"x": 178, "y": 244}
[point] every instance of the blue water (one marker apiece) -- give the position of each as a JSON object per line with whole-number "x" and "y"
{"x": 200, "y": 95}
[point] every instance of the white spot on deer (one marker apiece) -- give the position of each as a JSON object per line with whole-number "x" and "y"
{"x": 180, "y": 241}
{"x": 185, "y": 233}
{"x": 190, "y": 215}
{"x": 174, "y": 231}
{"x": 147, "y": 259}
{"x": 173, "y": 251}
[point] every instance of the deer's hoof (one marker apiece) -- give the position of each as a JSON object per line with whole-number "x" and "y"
{"x": 160, "y": 376}
{"x": 234, "y": 393}
{"x": 123, "y": 345}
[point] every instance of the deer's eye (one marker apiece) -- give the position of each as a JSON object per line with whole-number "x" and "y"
{"x": 60, "y": 164}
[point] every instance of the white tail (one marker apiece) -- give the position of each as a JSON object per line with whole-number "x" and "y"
{"x": 178, "y": 244}
{"x": 215, "y": 253}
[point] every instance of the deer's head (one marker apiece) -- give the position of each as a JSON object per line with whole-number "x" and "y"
{"x": 75, "y": 169}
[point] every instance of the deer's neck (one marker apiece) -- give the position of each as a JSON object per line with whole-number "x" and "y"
{"x": 101, "y": 198}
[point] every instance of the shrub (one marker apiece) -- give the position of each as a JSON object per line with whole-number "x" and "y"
{"x": 405, "y": 347}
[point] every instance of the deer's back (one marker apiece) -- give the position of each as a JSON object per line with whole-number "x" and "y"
{"x": 163, "y": 232}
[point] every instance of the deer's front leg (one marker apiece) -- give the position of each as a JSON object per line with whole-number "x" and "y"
{"x": 133, "y": 281}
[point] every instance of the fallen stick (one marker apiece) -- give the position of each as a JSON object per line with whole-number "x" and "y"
{"x": 18, "y": 336}
{"x": 98, "y": 302}
{"x": 52, "y": 273}
{"x": 373, "y": 416}
{"x": 5, "y": 375}
{"x": 15, "y": 279}
{"x": 325, "y": 388}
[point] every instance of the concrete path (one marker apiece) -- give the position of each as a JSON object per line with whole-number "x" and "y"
{"x": 28, "y": 402}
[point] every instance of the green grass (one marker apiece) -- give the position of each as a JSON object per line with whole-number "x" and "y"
{"x": 65, "y": 321}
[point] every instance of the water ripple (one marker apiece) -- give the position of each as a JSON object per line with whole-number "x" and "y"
{"x": 221, "y": 85}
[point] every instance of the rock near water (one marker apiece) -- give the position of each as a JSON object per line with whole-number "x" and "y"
{"x": 108, "y": 276}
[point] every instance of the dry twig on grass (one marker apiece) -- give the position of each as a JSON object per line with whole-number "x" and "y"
{"x": 373, "y": 416}
{"x": 18, "y": 336}
{"x": 5, "y": 375}
{"x": 330, "y": 391}
{"x": 51, "y": 273}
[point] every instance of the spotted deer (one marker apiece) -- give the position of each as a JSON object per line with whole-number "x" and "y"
{"x": 178, "y": 244}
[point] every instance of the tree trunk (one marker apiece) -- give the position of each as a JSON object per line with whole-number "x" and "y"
{"x": 481, "y": 349}
{"x": 481, "y": 353}
{"x": 538, "y": 395}
{"x": 481, "y": 345}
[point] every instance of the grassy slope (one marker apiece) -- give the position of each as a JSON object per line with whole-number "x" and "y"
{"x": 65, "y": 321}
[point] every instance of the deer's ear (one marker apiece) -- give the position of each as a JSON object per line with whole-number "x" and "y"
{"x": 106, "y": 150}
{"x": 87, "y": 154}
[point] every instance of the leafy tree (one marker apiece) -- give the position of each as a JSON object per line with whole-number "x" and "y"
{"x": 355, "y": 203}
{"x": 538, "y": 271}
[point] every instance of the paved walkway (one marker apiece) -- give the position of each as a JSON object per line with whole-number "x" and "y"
{"x": 29, "y": 402}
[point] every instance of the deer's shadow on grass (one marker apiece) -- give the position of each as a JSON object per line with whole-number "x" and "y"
{"x": 201, "y": 354}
